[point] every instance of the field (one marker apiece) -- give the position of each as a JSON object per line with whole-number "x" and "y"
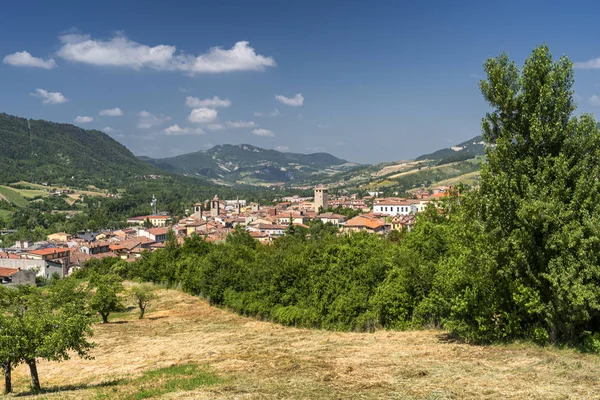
{"x": 186, "y": 349}
{"x": 13, "y": 196}
{"x": 30, "y": 190}
{"x": 5, "y": 214}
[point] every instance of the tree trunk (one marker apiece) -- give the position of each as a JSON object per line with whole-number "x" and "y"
{"x": 104, "y": 318}
{"x": 7, "y": 377}
{"x": 35, "y": 380}
{"x": 142, "y": 309}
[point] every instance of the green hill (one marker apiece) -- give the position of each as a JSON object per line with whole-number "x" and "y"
{"x": 462, "y": 151}
{"x": 245, "y": 163}
{"x": 42, "y": 151}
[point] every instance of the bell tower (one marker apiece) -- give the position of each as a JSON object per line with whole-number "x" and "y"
{"x": 215, "y": 206}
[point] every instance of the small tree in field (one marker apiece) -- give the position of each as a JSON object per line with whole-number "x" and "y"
{"x": 106, "y": 297}
{"x": 33, "y": 326}
{"x": 143, "y": 295}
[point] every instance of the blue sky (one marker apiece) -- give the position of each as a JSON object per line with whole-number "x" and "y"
{"x": 378, "y": 80}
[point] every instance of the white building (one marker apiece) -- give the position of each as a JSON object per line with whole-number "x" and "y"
{"x": 397, "y": 207}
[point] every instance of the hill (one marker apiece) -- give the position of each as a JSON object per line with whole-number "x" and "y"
{"x": 249, "y": 164}
{"x": 462, "y": 151}
{"x": 43, "y": 151}
{"x": 238, "y": 357}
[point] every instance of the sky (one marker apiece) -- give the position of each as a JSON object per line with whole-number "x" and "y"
{"x": 367, "y": 81}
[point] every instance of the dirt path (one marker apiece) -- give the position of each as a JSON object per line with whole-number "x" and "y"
{"x": 260, "y": 360}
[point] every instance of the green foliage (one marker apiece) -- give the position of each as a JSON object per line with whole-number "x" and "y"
{"x": 143, "y": 295}
{"x": 106, "y": 297}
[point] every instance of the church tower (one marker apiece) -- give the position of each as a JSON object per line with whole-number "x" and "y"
{"x": 321, "y": 198}
{"x": 215, "y": 206}
{"x": 198, "y": 210}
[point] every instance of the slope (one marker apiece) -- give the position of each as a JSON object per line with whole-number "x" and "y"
{"x": 41, "y": 151}
{"x": 261, "y": 360}
{"x": 250, "y": 164}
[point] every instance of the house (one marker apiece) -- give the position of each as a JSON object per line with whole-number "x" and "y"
{"x": 364, "y": 223}
{"x": 154, "y": 234}
{"x": 332, "y": 218}
{"x": 95, "y": 248}
{"x": 399, "y": 222}
{"x": 271, "y": 229}
{"x": 16, "y": 276}
{"x": 59, "y": 237}
{"x": 155, "y": 220}
{"x": 296, "y": 218}
{"x": 393, "y": 207}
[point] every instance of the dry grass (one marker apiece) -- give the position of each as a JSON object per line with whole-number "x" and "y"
{"x": 261, "y": 360}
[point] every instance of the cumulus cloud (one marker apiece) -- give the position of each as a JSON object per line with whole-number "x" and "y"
{"x": 273, "y": 113}
{"x": 295, "y": 101}
{"x": 175, "y": 130}
{"x": 49, "y": 97}
{"x": 111, "y": 112}
{"x": 595, "y": 100}
{"x": 203, "y": 115}
{"x": 594, "y": 63}
{"x": 263, "y": 132}
{"x": 24, "y": 59}
{"x": 147, "y": 120}
{"x": 240, "y": 124}
{"x": 83, "y": 120}
{"x": 281, "y": 148}
{"x": 215, "y": 127}
{"x": 108, "y": 129}
{"x": 215, "y": 102}
{"x": 123, "y": 52}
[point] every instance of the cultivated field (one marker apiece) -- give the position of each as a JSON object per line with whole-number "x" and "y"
{"x": 186, "y": 349}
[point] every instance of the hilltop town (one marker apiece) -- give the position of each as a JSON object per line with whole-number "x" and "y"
{"x": 62, "y": 253}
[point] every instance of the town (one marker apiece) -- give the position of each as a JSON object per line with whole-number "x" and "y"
{"x": 62, "y": 253}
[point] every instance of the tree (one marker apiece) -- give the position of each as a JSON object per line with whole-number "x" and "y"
{"x": 147, "y": 223}
{"x": 530, "y": 262}
{"x": 33, "y": 326}
{"x": 143, "y": 295}
{"x": 106, "y": 297}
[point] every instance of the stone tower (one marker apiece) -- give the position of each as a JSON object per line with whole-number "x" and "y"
{"x": 215, "y": 206}
{"x": 198, "y": 210}
{"x": 237, "y": 207}
{"x": 321, "y": 200}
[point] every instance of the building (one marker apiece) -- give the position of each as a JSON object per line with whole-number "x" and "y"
{"x": 41, "y": 268}
{"x": 198, "y": 210}
{"x": 155, "y": 220}
{"x": 154, "y": 234}
{"x": 321, "y": 198}
{"x": 335, "y": 219}
{"x": 16, "y": 276}
{"x": 59, "y": 237}
{"x": 394, "y": 207}
{"x": 364, "y": 223}
{"x": 215, "y": 206}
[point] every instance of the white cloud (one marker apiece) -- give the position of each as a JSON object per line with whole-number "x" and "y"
{"x": 295, "y": 101}
{"x": 83, "y": 120}
{"x": 175, "y": 130}
{"x": 263, "y": 132}
{"x": 203, "y": 115}
{"x": 281, "y": 148}
{"x": 147, "y": 120}
{"x": 240, "y": 124}
{"x": 49, "y": 97}
{"x": 122, "y": 52}
{"x": 215, "y": 102}
{"x": 111, "y": 112}
{"x": 215, "y": 127}
{"x": 273, "y": 113}
{"x": 24, "y": 59}
{"x": 322, "y": 126}
{"x": 595, "y": 100}
{"x": 108, "y": 129}
{"x": 594, "y": 63}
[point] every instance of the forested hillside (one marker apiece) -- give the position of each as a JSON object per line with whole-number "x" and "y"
{"x": 245, "y": 163}
{"x": 41, "y": 151}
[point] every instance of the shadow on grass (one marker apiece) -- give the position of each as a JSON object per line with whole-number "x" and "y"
{"x": 155, "y": 318}
{"x": 69, "y": 388}
{"x": 450, "y": 338}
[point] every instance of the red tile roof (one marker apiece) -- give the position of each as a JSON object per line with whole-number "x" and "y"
{"x": 8, "y": 271}
{"x": 48, "y": 251}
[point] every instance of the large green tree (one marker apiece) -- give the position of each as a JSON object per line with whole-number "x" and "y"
{"x": 531, "y": 261}
{"x": 105, "y": 298}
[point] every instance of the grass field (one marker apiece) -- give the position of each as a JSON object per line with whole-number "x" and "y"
{"x": 5, "y": 214}
{"x": 186, "y": 349}
{"x": 13, "y": 196}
